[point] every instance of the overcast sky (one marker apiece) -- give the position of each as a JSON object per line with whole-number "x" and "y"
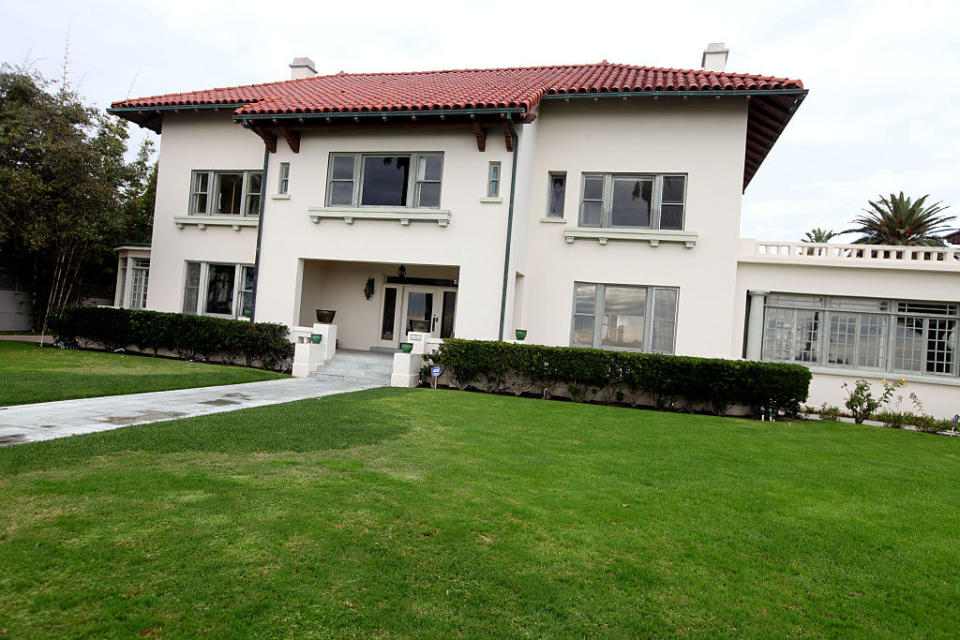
{"x": 884, "y": 77}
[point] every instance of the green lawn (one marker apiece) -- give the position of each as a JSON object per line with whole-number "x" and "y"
{"x": 420, "y": 513}
{"x": 29, "y": 373}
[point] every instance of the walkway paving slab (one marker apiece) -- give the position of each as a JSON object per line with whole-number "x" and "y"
{"x": 49, "y": 420}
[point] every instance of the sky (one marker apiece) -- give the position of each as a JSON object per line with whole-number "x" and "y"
{"x": 883, "y": 76}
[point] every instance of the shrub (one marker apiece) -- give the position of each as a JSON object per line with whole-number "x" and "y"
{"x": 710, "y": 383}
{"x": 190, "y": 337}
{"x": 860, "y": 400}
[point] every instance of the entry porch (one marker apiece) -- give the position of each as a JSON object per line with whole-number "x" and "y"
{"x": 374, "y": 305}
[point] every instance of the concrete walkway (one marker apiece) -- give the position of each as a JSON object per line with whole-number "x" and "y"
{"x": 49, "y": 420}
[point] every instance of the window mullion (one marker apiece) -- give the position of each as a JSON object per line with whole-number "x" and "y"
{"x": 598, "y": 312}
{"x": 606, "y": 206}
{"x": 656, "y": 199}
{"x": 648, "y": 321}
{"x": 357, "y": 178}
{"x": 413, "y": 178}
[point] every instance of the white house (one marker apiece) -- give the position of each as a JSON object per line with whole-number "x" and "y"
{"x": 591, "y": 205}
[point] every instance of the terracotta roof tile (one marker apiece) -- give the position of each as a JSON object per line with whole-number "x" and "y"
{"x": 518, "y": 88}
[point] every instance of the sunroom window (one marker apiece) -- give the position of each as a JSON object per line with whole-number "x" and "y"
{"x": 640, "y": 201}
{"x": 385, "y": 180}
{"x": 862, "y": 333}
{"x": 225, "y": 193}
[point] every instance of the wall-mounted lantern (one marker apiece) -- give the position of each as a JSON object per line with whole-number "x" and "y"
{"x": 368, "y": 289}
{"x": 402, "y": 271}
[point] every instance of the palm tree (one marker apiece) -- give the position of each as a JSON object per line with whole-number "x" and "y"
{"x": 819, "y": 235}
{"x": 901, "y": 221}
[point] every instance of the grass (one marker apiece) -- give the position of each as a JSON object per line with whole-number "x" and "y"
{"x": 438, "y": 514}
{"x": 29, "y": 373}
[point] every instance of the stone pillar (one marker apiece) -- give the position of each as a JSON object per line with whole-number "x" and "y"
{"x": 755, "y": 324}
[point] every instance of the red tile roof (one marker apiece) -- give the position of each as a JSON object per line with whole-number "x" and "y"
{"x": 522, "y": 87}
{"x": 519, "y": 88}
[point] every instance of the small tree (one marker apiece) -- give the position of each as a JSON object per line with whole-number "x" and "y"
{"x": 898, "y": 220}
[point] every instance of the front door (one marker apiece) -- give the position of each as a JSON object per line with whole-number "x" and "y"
{"x": 421, "y": 309}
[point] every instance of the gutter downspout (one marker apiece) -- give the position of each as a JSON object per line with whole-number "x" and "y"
{"x": 506, "y": 256}
{"x": 256, "y": 262}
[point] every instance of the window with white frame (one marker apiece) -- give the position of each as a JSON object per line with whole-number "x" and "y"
{"x": 558, "y": 191}
{"x": 624, "y": 317}
{"x": 283, "y": 184}
{"x": 384, "y": 180}
{"x": 862, "y": 333}
{"x": 225, "y": 192}
{"x": 140, "y": 274}
{"x": 215, "y": 289}
{"x": 493, "y": 180}
{"x": 643, "y": 201}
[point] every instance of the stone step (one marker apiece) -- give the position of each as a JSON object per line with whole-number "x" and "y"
{"x": 382, "y": 379}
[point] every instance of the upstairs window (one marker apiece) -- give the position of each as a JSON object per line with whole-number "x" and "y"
{"x": 642, "y": 201}
{"x": 558, "y": 191}
{"x": 385, "y": 180}
{"x": 493, "y": 180}
{"x": 283, "y": 187}
{"x": 225, "y": 193}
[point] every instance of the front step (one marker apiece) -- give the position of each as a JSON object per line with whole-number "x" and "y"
{"x": 358, "y": 366}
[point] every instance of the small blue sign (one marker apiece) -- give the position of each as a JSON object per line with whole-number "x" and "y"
{"x": 436, "y": 371}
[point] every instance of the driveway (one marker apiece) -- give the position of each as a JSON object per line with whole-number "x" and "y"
{"x": 49, "y": 420}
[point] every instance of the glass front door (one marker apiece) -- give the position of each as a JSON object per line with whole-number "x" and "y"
{"x": 419, "y": 314}
{"x": 430, "y": 310}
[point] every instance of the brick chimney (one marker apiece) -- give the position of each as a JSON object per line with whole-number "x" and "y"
{"x": 302, "y": 68}
{"x": 715, "y": 57}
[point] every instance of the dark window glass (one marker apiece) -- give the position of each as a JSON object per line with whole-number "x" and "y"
{"x": 671, "y": 216}
{"x": 449, "y": 311}
{"x": 220, "y": 289}
{"x": 593, "y": 188}
{"x": 385, "y": 180}
{"x": 341, "y": 193}
{"x": 558, "y": 189}
{"x": 429, "y": 194}
{"x": 631, "y": 202}
{"x": 229, "y": 192}
{"x": 343, "y": 167}
{"x": 673, "y": 189}
{"x": 389, "y": 313}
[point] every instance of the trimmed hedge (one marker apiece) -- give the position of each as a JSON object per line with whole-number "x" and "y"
{"x": 616, "y": 376}
{"x": 190, "y": 337}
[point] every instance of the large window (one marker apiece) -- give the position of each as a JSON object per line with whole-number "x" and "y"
{"x": 138, "y": 286}
{"x": 384, "y": 180}
{"x": 224, "y": 290}
{"x": 648, "y": 201}
{"x": 862, "y": 333}
{"x": 225, "y": 193}
{"x": 609, "y": 316}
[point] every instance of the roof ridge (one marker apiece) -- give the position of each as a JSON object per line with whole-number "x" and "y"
{"x": 342, "y": 74}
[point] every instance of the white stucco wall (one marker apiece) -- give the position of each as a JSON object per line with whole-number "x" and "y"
{"x": 206, "y": 140}
{"x": 940, "y": 394}
{"x": 702, "y": 139}
{"x": 473, "y": 241}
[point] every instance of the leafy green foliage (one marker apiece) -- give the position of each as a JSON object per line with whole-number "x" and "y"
{"x": 67, "y": 193}
{"x": 898, "y": 220}
{"x": 860, "y": 400}
{"x": 190, "y": 337}
{"x": 660, "y": 380}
